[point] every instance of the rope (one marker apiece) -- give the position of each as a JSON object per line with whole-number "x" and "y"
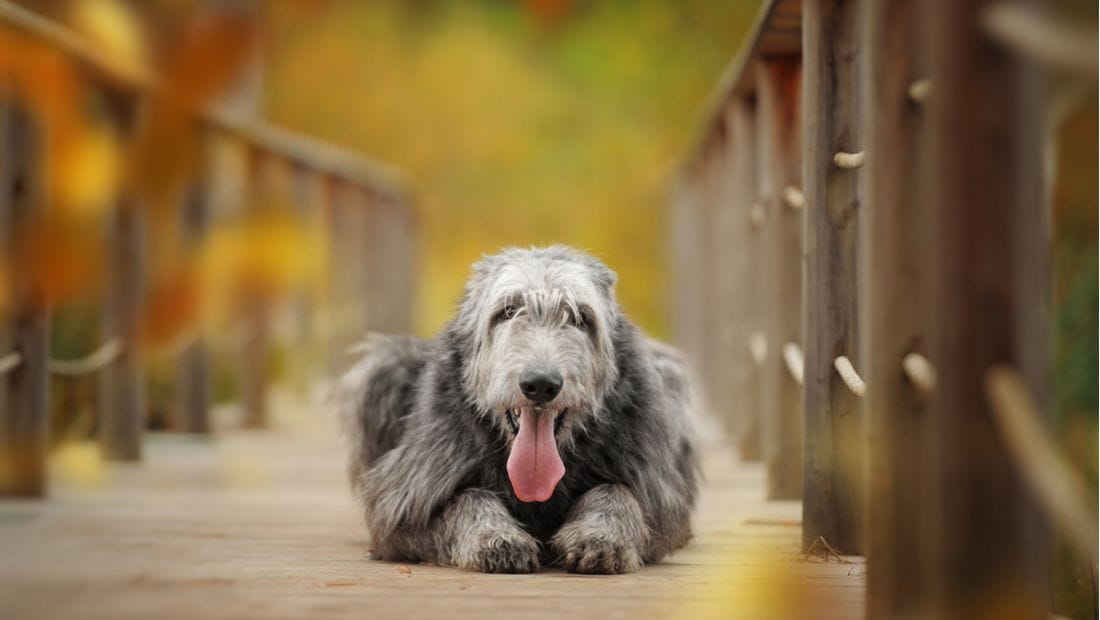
{"x": 96, "y": 360}
{"x": 792, "y": 355}
{"x": 919, "y": 90}
{"x": 920, "y": 372}
{"x": 851, "y": 378}
{"x": 849, "y": 161}
{"x": 176, "y": 346}
{"x": 793, "y": 197}
{"x": 1055, "y": 486}
{"x": 10, "y": 362}
{"x": 758, "y": 348}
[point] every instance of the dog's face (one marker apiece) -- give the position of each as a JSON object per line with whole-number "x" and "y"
{"x": 541, "y": 360}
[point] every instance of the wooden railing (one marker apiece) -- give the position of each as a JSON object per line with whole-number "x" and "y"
{"x": 860, "y": 244}
{"x": 367, "y": 219}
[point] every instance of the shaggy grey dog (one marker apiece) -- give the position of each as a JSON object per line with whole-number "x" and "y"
{"x": 541, "y": 427}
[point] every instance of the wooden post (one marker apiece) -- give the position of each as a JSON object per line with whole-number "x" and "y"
{"x": 387, "y": 266}
{"x": 398, "y": 258}
{"x": 349, "y": 275}
{"x": 746, "y": 272}
{"x": 832, "y": 491}
{"x": 686, "y": 250}
{"x": 193, "y": 365}
{"x": 989, "y": 302}
{"x": 122, "y": 383}
{"x": 893, "y": 270}
{"x": 779, "y": 146}
{"x": 718, "y": 222}
{"x": 24, "y": 423}
{"x": 122, "y": 406}
{"x": 255, "y": 311}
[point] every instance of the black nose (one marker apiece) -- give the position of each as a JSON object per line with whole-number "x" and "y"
{"x": 541, "y": 386}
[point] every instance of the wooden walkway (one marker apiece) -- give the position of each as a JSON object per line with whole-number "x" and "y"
{"x": 261, "y": 525}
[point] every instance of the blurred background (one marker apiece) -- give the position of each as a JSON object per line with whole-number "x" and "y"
{"x": 500, "y": 123}
{"x": 518, "y": 123}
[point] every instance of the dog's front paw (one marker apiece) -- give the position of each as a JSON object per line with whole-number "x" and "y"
{"x": 597, "y": 554}
{"x": 495, "y": 552}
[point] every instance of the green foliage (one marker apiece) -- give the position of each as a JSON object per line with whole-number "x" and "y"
{"x": 514, "y": 130}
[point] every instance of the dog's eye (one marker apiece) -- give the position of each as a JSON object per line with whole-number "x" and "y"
{"x": 507, "y": 313}
{"x": 576, "y": 319}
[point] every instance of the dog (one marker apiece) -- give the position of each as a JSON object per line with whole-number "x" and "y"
{"x": 539, "y": 428}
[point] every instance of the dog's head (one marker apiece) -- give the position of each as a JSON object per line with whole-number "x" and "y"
{"x": 538, "y": 324}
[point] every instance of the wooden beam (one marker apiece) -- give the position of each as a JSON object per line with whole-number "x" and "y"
{"x": 832, "y": 492}
{"x": 779, "y": 147}
{"x": 894, "y": 269}
{"x": 989, "y": 305}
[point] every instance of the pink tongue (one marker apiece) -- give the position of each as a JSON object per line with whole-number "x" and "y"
{"x": 534, "y": 467}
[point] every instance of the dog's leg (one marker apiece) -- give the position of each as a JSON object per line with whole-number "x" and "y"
{"x": 605, "y": 532}
{"x": 476, "y": 532}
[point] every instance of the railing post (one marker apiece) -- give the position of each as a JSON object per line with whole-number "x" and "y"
{"x": 779, "y": 146}
{"x": 745, "y": 278}
{"x": 349, "y": 270}
{"x": 686, "y": 249}
{"x": 893, "y": 301}
{"x": 193, "y": 365}
{"x": 832, "y": 492}
{"x": 387, "y": 268}
{"x": 122, "y": 404}
{"x": 717, "y": 220}
{"x": 256, "y": 312}
{"x": 23, "y": 423}
{"x": 988, "y": 248}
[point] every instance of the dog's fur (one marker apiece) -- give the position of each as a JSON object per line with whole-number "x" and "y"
{"x": 431, "y": 432}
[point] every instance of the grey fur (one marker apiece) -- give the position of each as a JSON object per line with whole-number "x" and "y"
{"x": 430, "y": 431}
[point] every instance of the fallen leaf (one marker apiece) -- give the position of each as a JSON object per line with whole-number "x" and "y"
{"x": 405, "y": 570}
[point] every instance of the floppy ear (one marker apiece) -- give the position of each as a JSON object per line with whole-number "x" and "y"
{"x": 601, "y": 273}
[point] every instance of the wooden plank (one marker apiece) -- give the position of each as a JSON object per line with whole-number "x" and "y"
{"x": 779, "y": 147}
{"x": 24, "y": 426}
{"x": 893, "y": 301}
{"x": 832, "y": 492}
{"x": 989, "y": 305}
{"x": 745, "y": 273}
{"x": 278, "y": 535}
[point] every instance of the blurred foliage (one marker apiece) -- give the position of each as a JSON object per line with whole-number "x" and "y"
{"x": 518, "y": 122}
{"x": 1075, "y": 369}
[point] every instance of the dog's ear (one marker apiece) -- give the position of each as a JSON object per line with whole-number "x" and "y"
{"x": 603, "y": 275}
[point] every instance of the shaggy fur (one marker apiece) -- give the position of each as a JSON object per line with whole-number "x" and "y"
{"x": 432, "y": 424}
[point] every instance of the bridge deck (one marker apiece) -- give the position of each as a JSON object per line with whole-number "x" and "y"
{"x": 261, "y": 524}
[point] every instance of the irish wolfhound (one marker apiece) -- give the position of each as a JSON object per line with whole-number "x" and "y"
{"x": 539, "y": 428}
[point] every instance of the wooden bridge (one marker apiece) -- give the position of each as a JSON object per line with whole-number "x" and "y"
{"x": 859, "y": 240}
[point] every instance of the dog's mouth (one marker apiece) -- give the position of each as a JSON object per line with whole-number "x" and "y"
{"x": 513, "y": 421}
{"x": 534, "y": 465}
